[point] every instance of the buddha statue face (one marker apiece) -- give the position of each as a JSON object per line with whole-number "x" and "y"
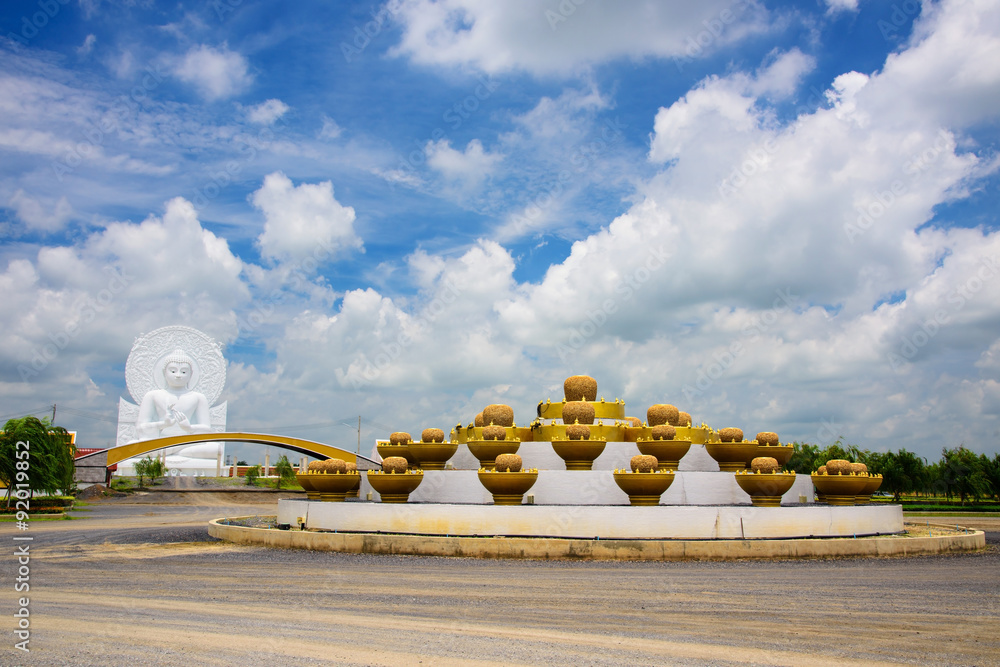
{"x": 177, "y": 370}
{"x": 177, "y": 374}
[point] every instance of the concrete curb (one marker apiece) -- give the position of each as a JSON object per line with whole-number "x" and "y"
{"x": 552, "y": 549}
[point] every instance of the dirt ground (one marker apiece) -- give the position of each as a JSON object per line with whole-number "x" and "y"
{"x": 142, "y": 583}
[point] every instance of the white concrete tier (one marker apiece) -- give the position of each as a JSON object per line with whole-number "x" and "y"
{"x": 589, "y": 522}
{"x": 591, "y": 487}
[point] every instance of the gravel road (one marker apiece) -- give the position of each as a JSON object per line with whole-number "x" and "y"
{"x": 130, "y": 583}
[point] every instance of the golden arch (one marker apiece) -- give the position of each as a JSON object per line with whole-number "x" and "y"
{"x": 307, "y": 447}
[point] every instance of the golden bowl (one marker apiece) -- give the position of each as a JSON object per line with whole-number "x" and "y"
{"x": 507, "y": 488}
{"x": 668, "y": 452}
{"x": 395, "y": 487}
{"x": 644, "y": 488}
{"x": 432, "y": 455}
{"x": 765, "y": 488}
{"x": 579, "y": 454}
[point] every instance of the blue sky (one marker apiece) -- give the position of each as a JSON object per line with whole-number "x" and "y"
{"x": 776, "y": 215}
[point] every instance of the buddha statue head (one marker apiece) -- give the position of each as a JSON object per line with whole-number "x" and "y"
{"x": 178, "y": 368}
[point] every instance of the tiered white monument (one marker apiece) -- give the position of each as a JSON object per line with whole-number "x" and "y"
{"x": 175, "y": 374}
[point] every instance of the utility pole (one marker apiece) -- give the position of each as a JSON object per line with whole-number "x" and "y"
{"x": 53, "y": 414}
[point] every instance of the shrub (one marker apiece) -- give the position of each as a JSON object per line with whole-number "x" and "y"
{"x": 253, "y": 472}
{"x": 284, "y": 470}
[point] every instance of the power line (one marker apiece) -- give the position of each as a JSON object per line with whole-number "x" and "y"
{"x": 89, "y": 415}
{"x": 387, "y": 429}
{"x": 15, "y": 415}
{"x": 299, "y": 427}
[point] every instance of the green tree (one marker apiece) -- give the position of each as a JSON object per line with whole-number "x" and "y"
{"x": 834, "y": 451}
{"x": 961, "y": 473}
{"x": 145, "y": 468}
{"x": 157, "y": 470}
{"x": 807, "y": 458}
{"x": 803, "y": 458}
{"x": 253, "y": 472}
{"x": 44, "y": 462}
{"x": 902, "y": 472}
{"x": 991, "y": 470}
{"x": 284, "y": 470}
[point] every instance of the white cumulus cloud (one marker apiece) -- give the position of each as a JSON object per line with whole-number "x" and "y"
{"x": 304, "y": 220}
{"x": 39, "y": 217}
{"x": 267, "y": 112}
{"x": 558, "y": 38}
{"x": 217, "y": 73}
{"x": 469, "y": 167}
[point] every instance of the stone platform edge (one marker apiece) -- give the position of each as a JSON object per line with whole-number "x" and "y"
{"x": 612, "y": 549}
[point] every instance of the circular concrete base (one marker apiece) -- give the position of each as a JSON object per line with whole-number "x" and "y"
{"x": 615, "y": 549}
{"x": 603, "y": 522}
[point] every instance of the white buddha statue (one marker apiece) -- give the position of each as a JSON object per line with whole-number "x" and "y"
{"x": 177, "y": 410}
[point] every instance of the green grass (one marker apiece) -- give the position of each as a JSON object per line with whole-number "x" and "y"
{"x": 941, "y": 513}
{"x": 10, "y": 518}
{"x": 262, "y": 483}
{"x": 962, "y": 509}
